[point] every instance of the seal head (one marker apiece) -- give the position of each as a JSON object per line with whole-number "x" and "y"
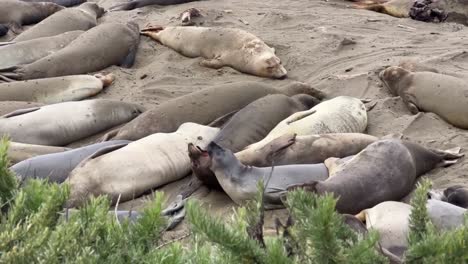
{"x": 392, "y": 77}
{"x": 201, "y": 162}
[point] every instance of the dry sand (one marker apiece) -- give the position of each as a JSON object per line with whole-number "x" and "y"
{"x": 328, "y": 44}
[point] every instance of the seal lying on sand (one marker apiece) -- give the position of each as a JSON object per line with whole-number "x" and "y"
{"x": 202, "y": 107}
{"x": 63, "y": 123}
{"x": 240, "y": 181}
{"x": 342, "y": 114}
{"x": 82, "y": 17}
{"x": 144, "y": 164}
{"x": 3, "y": 30}
{"x": 55, "y": 90}
{"x": 285, "y": 150}
{"x": 24, "y": 52}
{"x": 384, "y": 171}
{"x": 15, "y": 14}
{"x": 441, "y": 94}
{"x": 56, "y": 167}
{"x": 66, "y": 3}
{"x": 19, "y": 151}
{"x": 113, "y": 44}
{"x": 7, "y": 107}
{"x": 221, "y": 47}
{"x": 133, "y": 4}
{"x": 456, "y": 195}
{"x": 396, "y": 8}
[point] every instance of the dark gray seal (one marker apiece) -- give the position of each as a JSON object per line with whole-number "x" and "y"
{"x": 133, "y": 4}
{"x": 457, "y": 195}
{"x": 384, "y": 171}
{"x": 15, "y": 14}
{"x": 82, "y": 17}
{"x": 112, "y": 44}
{"x": 56, "y": 167}
{"x": 204, "y": 106}
{"x": 3, "y": 30}
{"x": 29, "y": 51}
{"x": 240, "y": 181}
{"x": 66, "y": 3}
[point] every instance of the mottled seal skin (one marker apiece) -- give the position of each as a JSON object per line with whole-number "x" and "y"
{"x": 441, "y": 94}
{"x": 203, "y": 107}
{"x": 395, "y": 8}
{"x": 56, "y": 167}
{"x": 145, "y": 164}
{"x": 18, "y": 152}
{"x": 66, "y": 3}
{"x": 63, "y": 123}
{"x": 133, "y": 4}
{"x": 221, "y": 47}
{"x": 240, "y": 181}
{"x": 15, "y": 14}
{"x": 55, "y": 90}
{"x": 29, "y": 51}
{"x": 82, "y": 17}
{"x": 113, "y": 44}
{"x": 4, "y": 30}
{"x": 384, "y": 171}
{"x": 342, "y": 114}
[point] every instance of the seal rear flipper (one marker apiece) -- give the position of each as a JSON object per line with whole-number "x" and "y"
{"x": 152, "y": 32}
{"x": 125, "y": 6}
{"x": 129, "y": 60}
{"x": 21, "y": 112}
{"x": 450, "y": 156}
{"x": 110, "y": 135}
{"x": 215, "y": 63}
{"x": 298, "y": 116}
{"x": 222, "y": 120}
{"x": 11, "y": 74}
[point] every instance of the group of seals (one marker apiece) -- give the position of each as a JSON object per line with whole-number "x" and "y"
{"x": 384, "y": 171}
{"x": 18, "y": 152}
{"x": 441, "y": 94}
{"x": 203, "y": 107}
{"x": 141, "y": 165}
{"x": 117, "y": 45}
{"x": 133, "y": 4}
{"x": 221, "y": 47}
{"x": 55, "y": 90}
{"x": 82, "y": 17}
{"x": 66, "y": 3}
{"x": 63, "y": 123}
{"x": 15, "y": 14}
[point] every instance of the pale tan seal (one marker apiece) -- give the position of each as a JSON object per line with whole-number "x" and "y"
{"x": 18, "y": 152}
{"x": 138, "y": 167}
{"x": 221, "y": 47}
{"x": 444, "y": 95}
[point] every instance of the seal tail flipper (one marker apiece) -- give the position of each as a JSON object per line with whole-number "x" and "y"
{"x": 152, "y": 32}
{"x": 220, "y": 121}
{"x": 450, "y": 156}
{"x": 298, "y": 116}
{"x": 110, "y": 135}
{"x": 11, "y": 74}
{"x": 124, "y": 7}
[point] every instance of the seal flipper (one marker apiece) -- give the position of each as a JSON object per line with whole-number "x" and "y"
{"x": 449, "y": 156}
{"x": 129, "y": 60}
{"x": 280, "y": 144}
{"x": 298, "y": 116}
{"x": 110, "y": 135}
{"x": 220, "y": 121}
{"x": 21, "y": 112}
{"x": 215, "y": 63}
{"x": 106, "y": 150}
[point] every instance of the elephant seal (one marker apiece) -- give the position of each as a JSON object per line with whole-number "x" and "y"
{"x": 445, "y": 216}
{"x": 56, "y": 167}
{"x": 145, "y": 164}
{"x": 240, "y": 181}
{"x": 24, "y": 52}
{"x": 457, "y": 195}
{"x": 384, "y": 171}
{"x": 7, "y": 107}
{"x": 65, "y": 3}
{"x": 203, "y": 107}
{"x": 82, "y": 17}
{"x": 63, "y": 123}
{"x": 55, "y": 90}
{"x": 395, "y": 8}
{"x": 133, "y": 4}
{"x": 4, "y": 30}
{"x": 113, "y": 44}
{"x": 285, "y": 150}
{"x": 441, "y": 94}
{"x": 18, "y": 152}
{"x": 342, "y": 114}
{"x": 15, "y": 14}
{"x": 221, "y": 47}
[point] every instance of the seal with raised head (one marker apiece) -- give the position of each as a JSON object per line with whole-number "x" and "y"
{"x": 24, "y": 52}
{"x": 56, "y": 167}
{"x": 240, "y": 181}
{"x": 204, "y": 106}
{"x": 286, "y": 150}
{"x": 384, "y": 171}
{"x": 144, "y": 165}
{"x": 18, "y": 152}
{"x": 342, "y": 114}
{"x": 66, "y": 3}
{"x": 82, "y": 17}
{"x": 441, "y": 94}
{"x": 15, "y": 14}
{"x": 63, "y": 123}
{"x": 55, "y": 90}
{"x": 221, "y": 47}
{"x": 113, "y": 44}
{"x": 133, "y": 4}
